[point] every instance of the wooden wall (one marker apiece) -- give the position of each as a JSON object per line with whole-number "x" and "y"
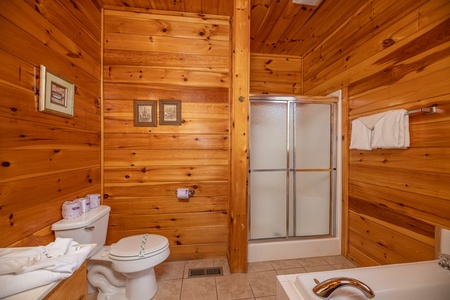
{"x": 275, "y": 74}
{"x": 384, "y": 56}
{"x": 161, "y": 55}
{"x": 391, "y": 56}
{"x": 46, "y": 159}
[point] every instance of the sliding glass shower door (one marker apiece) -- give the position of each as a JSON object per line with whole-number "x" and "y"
{"x": 292, "y": 168}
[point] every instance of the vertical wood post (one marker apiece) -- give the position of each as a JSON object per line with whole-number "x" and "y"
{"x": 238, "y": 228}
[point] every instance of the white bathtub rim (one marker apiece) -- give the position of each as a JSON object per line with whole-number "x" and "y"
{"x": 289, "y": 289}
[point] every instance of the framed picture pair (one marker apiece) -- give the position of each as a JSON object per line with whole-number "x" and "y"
{"x": 145, "y": 112}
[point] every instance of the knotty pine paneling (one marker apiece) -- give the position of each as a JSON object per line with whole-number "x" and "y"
{"x": 201, "y": 7}
{"x": 392, "y": 56}
{"x": 153, "y": 55}
{"x": 275, "y": 74}
{"x": 46, "y": 159}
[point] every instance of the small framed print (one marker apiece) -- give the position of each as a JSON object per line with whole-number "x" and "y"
{"x": 56, "y": 94}
{"x": 145, "y": 113}
{"x": 170, "y": 112}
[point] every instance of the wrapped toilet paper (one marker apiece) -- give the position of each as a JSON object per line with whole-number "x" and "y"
{"x": 95, "y": 200}
{"x": 71, "y": 210}
{"x": 183, "y": 193}
{"x": 85, "y": 204}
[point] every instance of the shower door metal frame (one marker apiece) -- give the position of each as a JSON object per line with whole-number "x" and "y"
{"x": 332, "y": 170}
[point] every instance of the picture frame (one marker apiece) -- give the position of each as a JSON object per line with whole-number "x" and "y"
{"x": 144, "y": 113}
{"x": 170, "y": 112}
{"x": 56, "y": 94}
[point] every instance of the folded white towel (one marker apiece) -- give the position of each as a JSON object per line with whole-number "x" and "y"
{"x": 392, "y": 131}
{"x": 387, "y": 130}
{"x": 361, "y": 136}
{"x": 59, "y": 247}
{"x": 68, "y": 263}
{"x": 371, "y": 120}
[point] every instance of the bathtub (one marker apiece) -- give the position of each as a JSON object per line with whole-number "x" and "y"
{"x": 409, "y": 281}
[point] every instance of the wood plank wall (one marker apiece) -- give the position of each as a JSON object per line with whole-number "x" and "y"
{"x": 275, "y": 74}
{"x": 390, "y": 56}
{"x": 46, "y": 159}
{"x": 153, "y": 55}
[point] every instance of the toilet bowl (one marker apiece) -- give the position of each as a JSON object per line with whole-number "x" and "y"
{"x": 124, "y": 270}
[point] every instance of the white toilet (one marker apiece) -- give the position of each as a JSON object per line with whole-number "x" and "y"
{"x": 124, "y": 270}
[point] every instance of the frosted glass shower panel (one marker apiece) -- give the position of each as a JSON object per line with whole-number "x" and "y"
{"x": 268, "y": 135}
{"x": 268, "y": 205}
{"x": 291, "y": 168}
{"x": 312, "y": 136}
{"x": 313, "y": 206}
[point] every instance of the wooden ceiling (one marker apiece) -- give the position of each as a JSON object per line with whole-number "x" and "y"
{"x": 277, "y": 26}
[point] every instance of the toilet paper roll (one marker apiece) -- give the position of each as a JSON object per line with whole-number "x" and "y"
{"x": 183, "y": 193}
{"x": 95, "y": 200}
{"x": 71, "y": 210}
{"x": 85, "y": 204}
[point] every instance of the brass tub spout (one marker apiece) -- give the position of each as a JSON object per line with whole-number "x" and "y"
{"x": 326, "y": 288}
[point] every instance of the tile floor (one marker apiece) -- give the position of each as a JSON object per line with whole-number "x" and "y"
{"x": 259, "y": 283}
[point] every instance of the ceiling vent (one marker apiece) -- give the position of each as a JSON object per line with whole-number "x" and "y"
{"x": 307, "y": 2}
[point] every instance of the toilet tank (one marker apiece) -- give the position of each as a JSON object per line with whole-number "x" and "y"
{"x": 89, "y": 228}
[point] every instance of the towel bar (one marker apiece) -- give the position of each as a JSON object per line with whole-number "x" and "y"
{"x": 428, "y": 110}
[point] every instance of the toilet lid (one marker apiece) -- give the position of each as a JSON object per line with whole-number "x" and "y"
{"x": 139, "y": 245}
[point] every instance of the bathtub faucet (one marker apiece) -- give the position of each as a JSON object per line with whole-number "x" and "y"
{"x": 326, "y": 288}
{"x": 444, "y": 261}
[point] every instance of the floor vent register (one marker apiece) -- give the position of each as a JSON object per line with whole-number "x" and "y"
{"x": 202, "y": 272}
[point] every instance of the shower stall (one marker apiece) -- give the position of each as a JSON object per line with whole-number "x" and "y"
{"x": 293, "y": 177}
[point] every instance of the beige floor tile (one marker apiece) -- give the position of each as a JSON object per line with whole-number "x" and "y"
{"x": 258, "y": 284}
{"x": 259, "y": 267}
{"x": 285, "y": 264}
{"x": 199, "y": 289}
{"x": 222, "y": 262}
{"x": 312, "y": 262}
{"x": 168, "y": 290}
{"x": 263, "y": 283}
{"x": 170, "y": 270}
{"x": 233, "y": 287}
{"x": 319, "y": 268}
{"x": 291, "y": 271}
{"x": 347, "y": 265}
{"x": 336, "y": 259}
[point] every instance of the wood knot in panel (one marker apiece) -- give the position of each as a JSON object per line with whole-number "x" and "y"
{"x": 387, "y": 43}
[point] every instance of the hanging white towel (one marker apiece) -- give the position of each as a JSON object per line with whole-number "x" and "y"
{"x": 361, "y": 136}
{"x": 392, "y": 131}
{"x": 362, "y": 131}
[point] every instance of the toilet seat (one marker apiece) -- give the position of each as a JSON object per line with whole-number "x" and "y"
{"x": 138, "y": 247}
